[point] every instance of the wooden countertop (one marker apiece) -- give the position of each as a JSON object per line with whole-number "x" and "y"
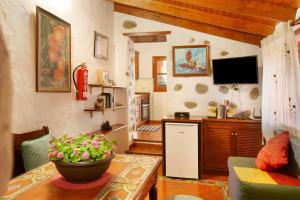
{"x": 232, "y": 120}
{"x": 200, "y": 119}
{"x": 171, "y": 118}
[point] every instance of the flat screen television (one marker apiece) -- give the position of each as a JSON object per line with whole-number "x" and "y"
{"x": 241, "y": 70}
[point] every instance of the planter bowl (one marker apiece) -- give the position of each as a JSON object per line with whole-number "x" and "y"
{"x": 83, "y": 171}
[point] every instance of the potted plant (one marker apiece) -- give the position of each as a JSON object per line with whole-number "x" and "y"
{"x": 82, "y": 158}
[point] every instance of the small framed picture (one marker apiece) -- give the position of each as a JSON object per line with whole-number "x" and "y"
{"x": 100, "y": 46}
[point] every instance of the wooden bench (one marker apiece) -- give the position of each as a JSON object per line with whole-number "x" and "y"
{"x": 18, "y": 139}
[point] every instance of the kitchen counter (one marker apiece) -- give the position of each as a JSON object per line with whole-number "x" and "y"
{"x": 200, "y": 119}
{"x": 191, "y": 119}
{"x": 217, "y": 139}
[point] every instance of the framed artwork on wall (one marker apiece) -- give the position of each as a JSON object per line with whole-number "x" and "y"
{"x": 191, "y": 60}
{"x": 100, "y": 46}
{"x": 53, "y": 53}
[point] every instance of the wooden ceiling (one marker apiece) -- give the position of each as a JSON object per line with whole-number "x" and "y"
{"x": 242, "y": 20}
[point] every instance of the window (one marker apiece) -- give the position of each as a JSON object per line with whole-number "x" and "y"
{"x": 159, "y": 72}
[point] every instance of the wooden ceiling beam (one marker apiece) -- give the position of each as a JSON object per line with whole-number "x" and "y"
{"x": 196, "y": 26}
{"x": 143, "y": 37}
{"x": 154, "y": 33}
{"x": 244, "y": 7}
{"x": 285, "y": 3}
{"x": 201, "y": 16}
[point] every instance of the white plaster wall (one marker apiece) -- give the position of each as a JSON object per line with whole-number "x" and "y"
{"x": 59, "y": 111}
{"x": 121, "y": 55}
{"x": 171, "y": 101}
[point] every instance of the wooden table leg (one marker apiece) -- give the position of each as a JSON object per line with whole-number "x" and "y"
{"x": 153, "y": 192}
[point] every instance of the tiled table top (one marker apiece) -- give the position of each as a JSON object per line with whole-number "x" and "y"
{"x": 129, "y": 174}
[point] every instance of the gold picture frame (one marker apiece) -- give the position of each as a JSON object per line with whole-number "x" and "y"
{"x": 53, "y": 53}
{"x": 193, "y": 60}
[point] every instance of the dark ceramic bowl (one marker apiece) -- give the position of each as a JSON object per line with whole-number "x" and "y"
{"x": 83, "y": 171}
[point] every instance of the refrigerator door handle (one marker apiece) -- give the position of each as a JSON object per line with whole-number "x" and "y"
{"x": 181, "y": 132}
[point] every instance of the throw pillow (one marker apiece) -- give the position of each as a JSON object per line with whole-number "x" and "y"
{"x": 274, "y": 154}
{"x": 35, "y": 152}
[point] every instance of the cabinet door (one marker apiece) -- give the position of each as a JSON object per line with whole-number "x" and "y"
{"x": 217, "y": 147}
{"x": 248, "y": 140}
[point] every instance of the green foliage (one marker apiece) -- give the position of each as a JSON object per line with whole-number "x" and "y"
{"x": 81, "y": 148}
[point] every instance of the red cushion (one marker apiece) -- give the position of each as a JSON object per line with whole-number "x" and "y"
{"x": 274, "y": 154}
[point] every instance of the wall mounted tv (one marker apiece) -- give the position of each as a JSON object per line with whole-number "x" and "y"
{"x": 241, "y": 70}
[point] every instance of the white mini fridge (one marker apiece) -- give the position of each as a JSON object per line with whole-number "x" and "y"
{"x": 181, "y": 150}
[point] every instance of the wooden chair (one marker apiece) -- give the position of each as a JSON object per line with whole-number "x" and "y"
{"x": 18, "y": 139}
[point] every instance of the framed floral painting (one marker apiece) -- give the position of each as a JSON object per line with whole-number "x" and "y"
{"x": 53, "y": 53}
{"x": 191, "y": 60}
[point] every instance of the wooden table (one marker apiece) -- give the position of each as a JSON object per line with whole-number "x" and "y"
{"x": 133, "y": 177}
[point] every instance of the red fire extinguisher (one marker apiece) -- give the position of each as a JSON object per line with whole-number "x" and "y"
{"x": 81, "y": 82}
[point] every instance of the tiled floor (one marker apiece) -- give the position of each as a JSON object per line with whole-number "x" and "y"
{"x": 208, "y": 189}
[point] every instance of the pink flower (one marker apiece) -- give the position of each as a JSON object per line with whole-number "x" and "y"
{"x": 85, "y": 155}
{"x": 69, "y": 141}
{"x": 75, "y": 152}
{"x": 60, "y": 155}
{"x": 54, "y": 153}
{"x": 96, "y": 144}
{"x": 107, "y": 154}
{"x": 85, "y": 143}
{"x": 53, "y": 146}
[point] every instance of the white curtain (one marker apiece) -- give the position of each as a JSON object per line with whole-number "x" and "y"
{"x": 281, "y": 82}
{"x": 131, "y": 89}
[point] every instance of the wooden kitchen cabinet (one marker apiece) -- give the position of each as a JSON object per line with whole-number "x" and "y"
{"x": 225, "y": 137}
{"x": 217, "y": 142}
{"x": 248, "y": 140}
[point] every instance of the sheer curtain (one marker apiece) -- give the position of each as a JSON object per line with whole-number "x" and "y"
{"x": 281, "y": 82}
